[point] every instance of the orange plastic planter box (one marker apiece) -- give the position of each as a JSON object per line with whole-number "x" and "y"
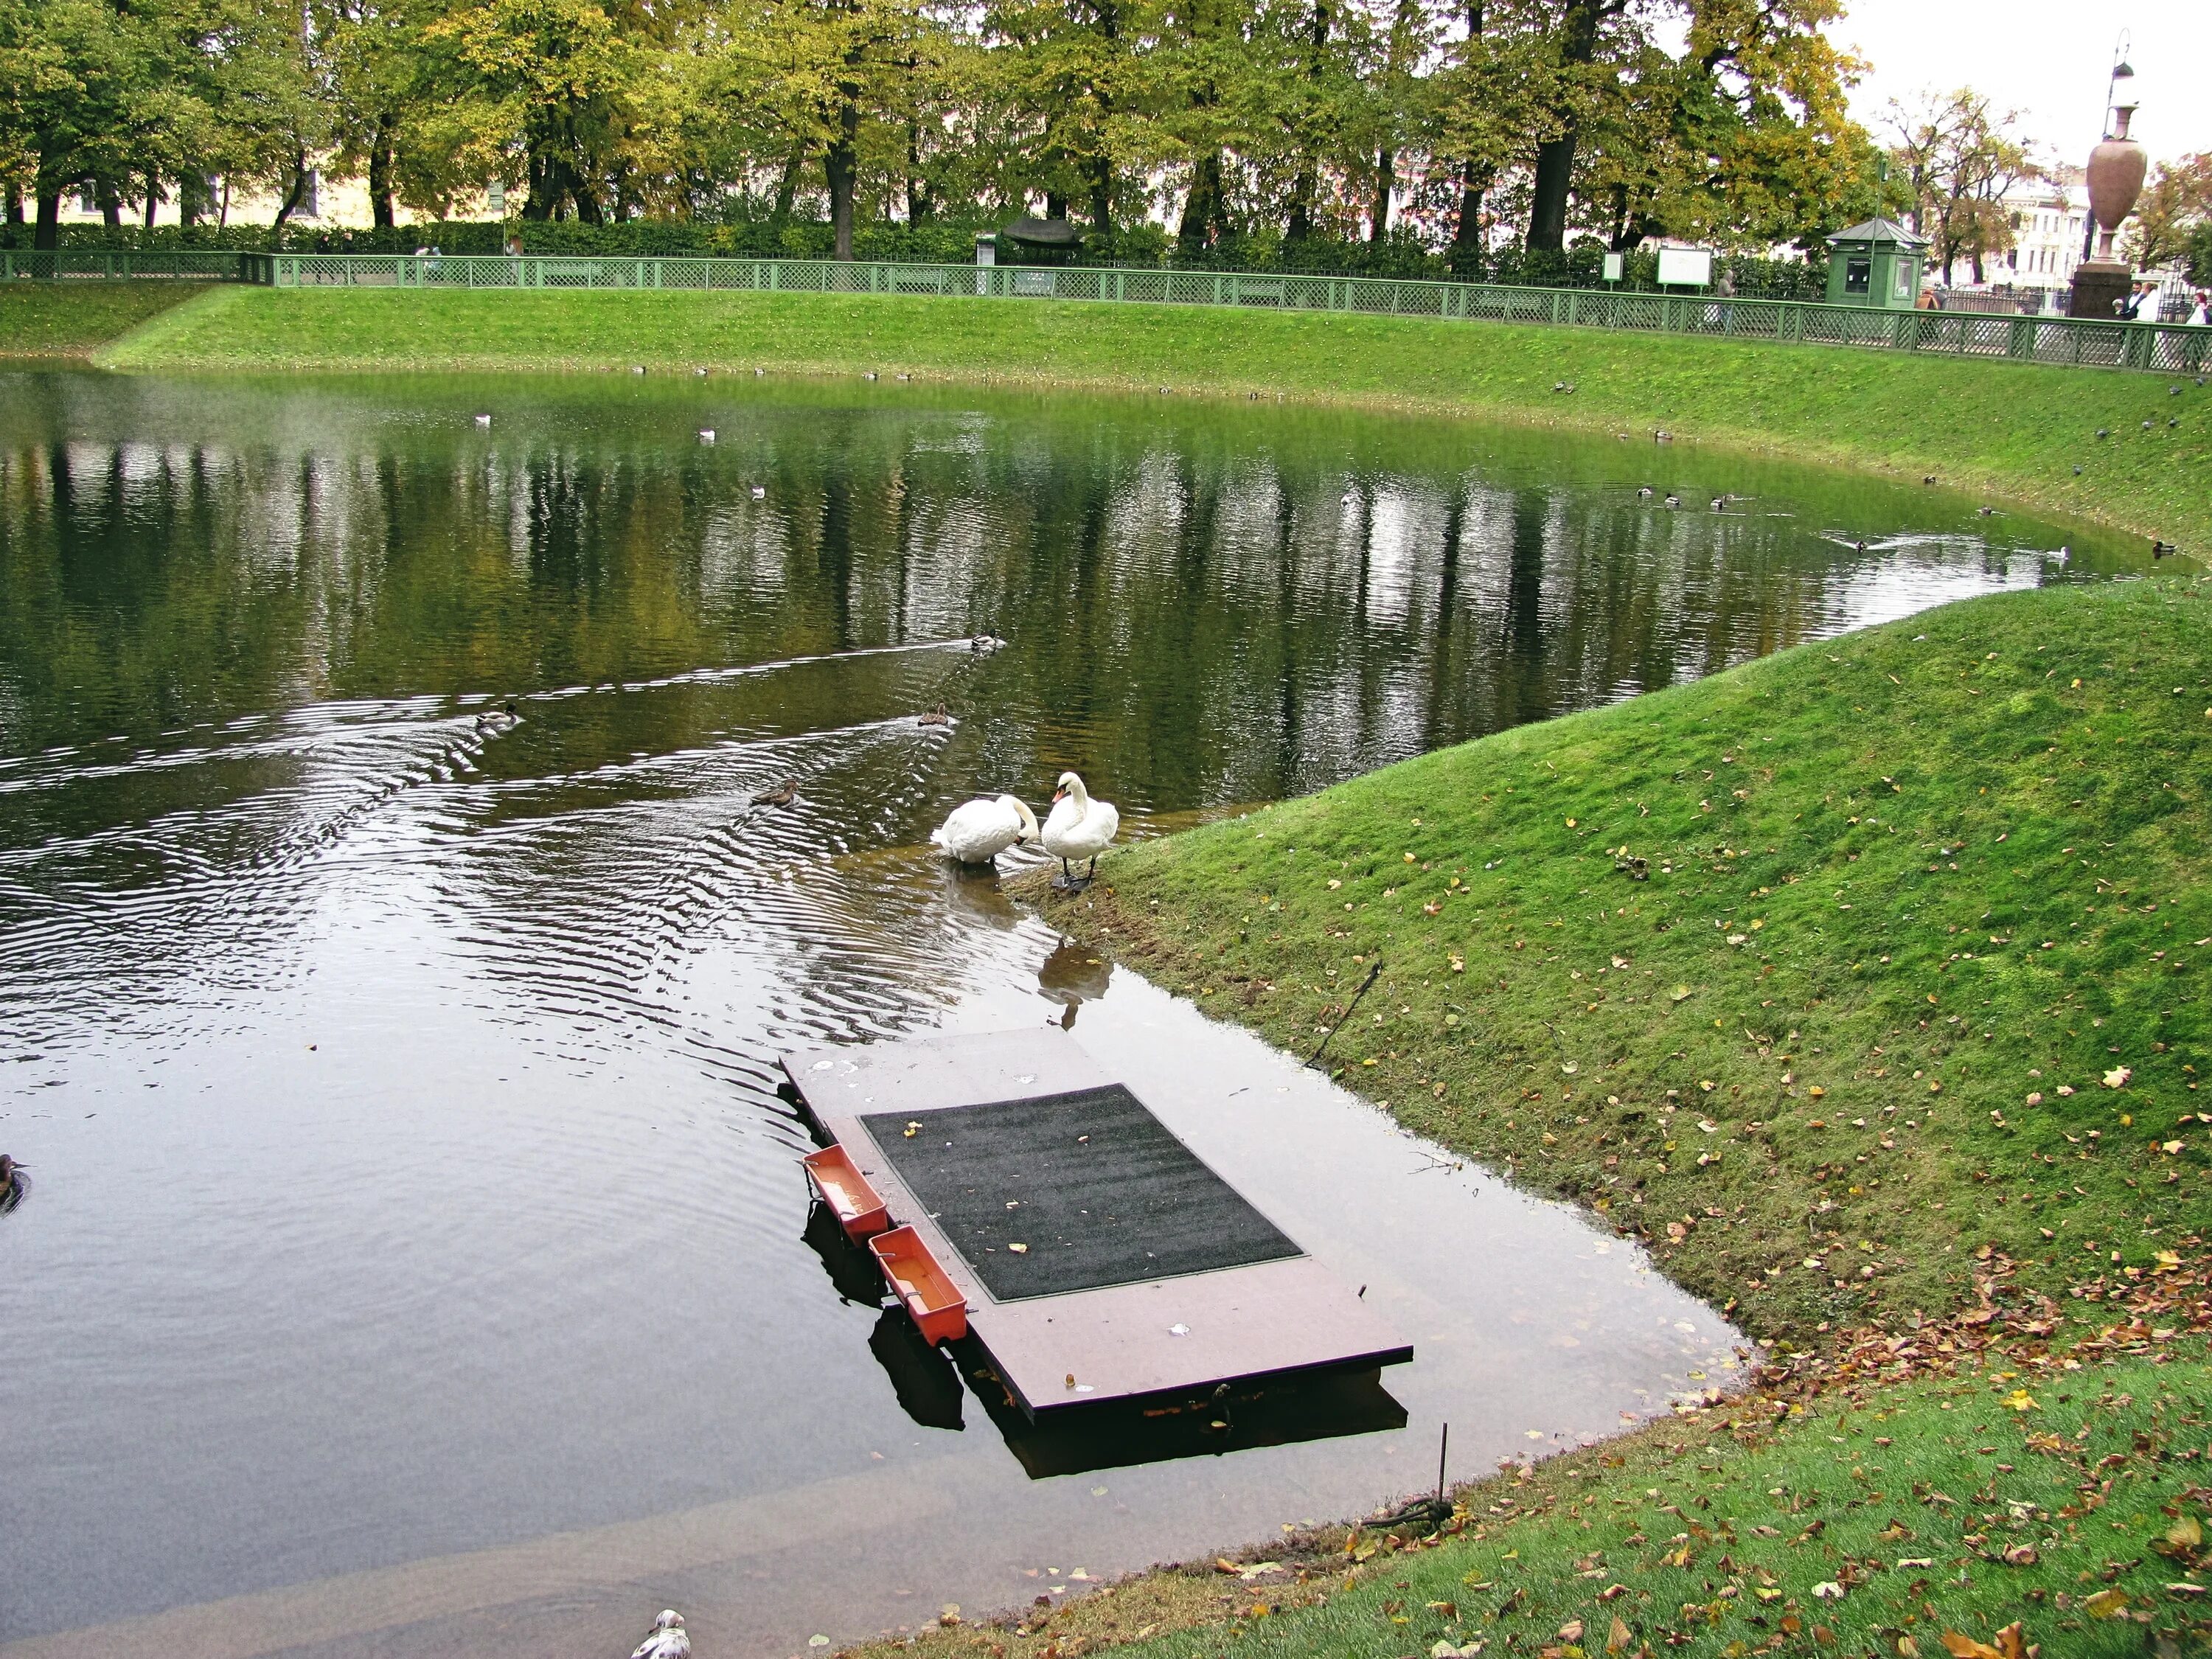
{"x": 937, "y": 1308}
{"x": 859, "y": 1211}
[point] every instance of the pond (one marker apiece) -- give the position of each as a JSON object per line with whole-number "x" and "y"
{"x": 415, "y": 1260}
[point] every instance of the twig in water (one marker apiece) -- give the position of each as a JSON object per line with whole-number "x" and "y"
{"x": 1313, "y": 1059}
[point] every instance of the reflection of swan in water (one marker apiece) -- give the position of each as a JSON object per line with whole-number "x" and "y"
{"x": 1072, "y": 976}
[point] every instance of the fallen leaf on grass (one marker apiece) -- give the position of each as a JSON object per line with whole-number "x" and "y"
{"x": 2117, "y": 1077}
{"x": 2011, "y": 1643}
{"x": 1619, "y": 1637}
{"x": 2105, "y": 1604}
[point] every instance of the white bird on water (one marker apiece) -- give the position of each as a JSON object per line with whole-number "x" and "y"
{"x": 667, "y": 1640}
{"x": 979, "y": 831}
{"x": 1079, "y": 827}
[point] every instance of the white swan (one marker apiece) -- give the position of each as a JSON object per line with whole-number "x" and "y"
{"x": 979, "y": 831}
{"x": 667, "y": 1640}
{"x": 1078, "y": 827}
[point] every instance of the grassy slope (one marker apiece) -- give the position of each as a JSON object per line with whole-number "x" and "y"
{"x": 1858, "y": 1523}
{"x": 1902, "y": 889}
{"x": 2018, "y": 430}
{"x": 1898, "y": 884}
{"x": 74, "y": 319}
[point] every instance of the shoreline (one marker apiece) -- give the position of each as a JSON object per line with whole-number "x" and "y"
{"x": 1882, "y": 413}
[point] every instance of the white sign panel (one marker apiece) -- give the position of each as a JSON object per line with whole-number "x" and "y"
{"x": 1692, "y": 267}
{"x": 1612, "y": 272}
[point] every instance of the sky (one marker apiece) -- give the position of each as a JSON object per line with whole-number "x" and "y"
{"x": 2047, "y": 58}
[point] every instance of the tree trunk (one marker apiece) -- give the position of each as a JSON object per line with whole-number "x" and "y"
{"x": 111, "y": 206}
{"x": 786, "y": 188}
{"x": 1203, "y": 209}
{"x": 919, "y": 209}
{"x": 153, "y": 196}
{"x": 588, "y": 209}
{"x": 48, "y": 236}
{"x": 15, "y": 205}
{"x": 379, "y": 174}
{"x": 1303, "y": 186}
{"x": 1386, "y": 184}
{"x": 840, "y": 166}
{"x": 1101, "y": 196}
{"x": 1467, "y": 249}
{"x": 1547, "y": 214}
{"x": 538, "y": 203}
{"x": 1555, "y": 160}
{"x": 295, "y": 195}
{"x": 1055, "y": 205}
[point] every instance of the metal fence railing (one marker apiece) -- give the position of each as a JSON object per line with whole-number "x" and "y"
{"x": 2159, "y": 348}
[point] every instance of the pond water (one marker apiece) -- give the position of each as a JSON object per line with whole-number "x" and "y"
{"x": 413, "y": 1262}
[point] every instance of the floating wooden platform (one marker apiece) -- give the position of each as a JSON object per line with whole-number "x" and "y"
{"x": 1100, "y": 1259}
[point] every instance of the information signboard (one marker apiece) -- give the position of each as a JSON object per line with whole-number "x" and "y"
{"x": 1687, "y": 267}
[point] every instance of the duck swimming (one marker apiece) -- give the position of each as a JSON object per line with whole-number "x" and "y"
{"x": 979, "y": 831}
{"x": 505, "y": 718}
{"x": 936, "y": 716}
{"x": 1079, "y": 827}
{"x": 782, "y": 795}
{"x": 11, "y": 1183}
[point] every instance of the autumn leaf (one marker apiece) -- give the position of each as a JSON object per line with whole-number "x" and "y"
{"x": 2117, "y": 1077}
{"x": 1619, "y": 1637}
{"x": 2105, "y": 1603}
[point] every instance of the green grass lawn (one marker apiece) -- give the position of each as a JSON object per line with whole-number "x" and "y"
{"x": 1819, "y": 975}
{"x": 2010, "y": 429}
{"x": 2065, "y": 1494}
{"x": 74, "y": 318}
{"x": 1864, "y": 983}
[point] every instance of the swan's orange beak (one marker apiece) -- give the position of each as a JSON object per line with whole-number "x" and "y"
{"x": 1060, "y": 796}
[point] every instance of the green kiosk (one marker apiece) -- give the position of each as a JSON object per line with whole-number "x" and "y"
{"x": 1876, "y": 263}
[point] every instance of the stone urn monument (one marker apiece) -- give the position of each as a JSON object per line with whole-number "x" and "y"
{"x": 2117, "y": 167}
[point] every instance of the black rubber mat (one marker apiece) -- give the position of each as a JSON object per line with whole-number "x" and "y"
{"x": 1093, "y": 1187}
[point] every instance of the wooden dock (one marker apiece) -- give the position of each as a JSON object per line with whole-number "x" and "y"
{"x": 1100, "y": 1259}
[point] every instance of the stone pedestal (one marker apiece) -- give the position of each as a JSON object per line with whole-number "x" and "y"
{"x": 2099, "y": 286}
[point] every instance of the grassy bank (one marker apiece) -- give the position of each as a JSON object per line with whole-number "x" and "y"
{"x": 74, "y": 319}
{"x": 1865, "y": 985}
{"x": 2019, "y": 430}
{"x": 1957, "y": 1500}
{"x": 1820, "y": 974}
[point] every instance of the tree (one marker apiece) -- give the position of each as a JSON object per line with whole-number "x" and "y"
{"x": 1960, "y": 157}
{"x": 2177, "y": 204}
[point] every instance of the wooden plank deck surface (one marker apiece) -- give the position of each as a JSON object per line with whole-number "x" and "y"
{"x": 1174, "y": 1336}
